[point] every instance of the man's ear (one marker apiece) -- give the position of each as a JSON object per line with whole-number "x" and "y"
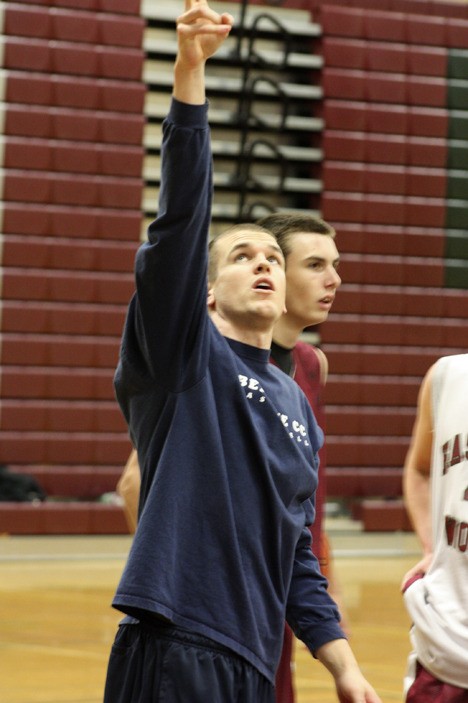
{"x": 210, "y": 300}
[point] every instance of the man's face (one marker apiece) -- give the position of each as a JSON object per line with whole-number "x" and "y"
{"x": 311, "y": 277}
{"x": 249, "y": 287}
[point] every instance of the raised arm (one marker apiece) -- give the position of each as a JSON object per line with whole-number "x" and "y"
{"x": 200, "y": 32}
{"x": 168, "y": 317}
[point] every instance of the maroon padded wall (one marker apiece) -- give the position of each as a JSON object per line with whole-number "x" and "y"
{"x": 71, "y": 218}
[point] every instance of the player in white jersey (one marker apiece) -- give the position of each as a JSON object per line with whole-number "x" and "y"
{"x": 436, "y": 496}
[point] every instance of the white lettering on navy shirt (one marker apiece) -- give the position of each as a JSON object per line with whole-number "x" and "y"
{"x": 295, "y": 429}
{"x": 253, "y": 391}
{"x": 253, "y": 388}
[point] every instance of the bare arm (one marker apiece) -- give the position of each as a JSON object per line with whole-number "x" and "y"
{"x": 323, "y": 363}
{"x": 416, "y": 475}
{"x": 128, "y": 489}
{"x": 350, "y": 683}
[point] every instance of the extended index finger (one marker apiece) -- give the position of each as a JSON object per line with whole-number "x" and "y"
{"x": 199, "y": 12}
{"x": 189, "y": 4}
{"x": 199, "y": 8}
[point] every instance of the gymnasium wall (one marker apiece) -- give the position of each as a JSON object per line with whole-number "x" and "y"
{"x": 394, "y": 174}
{"x": 395, "y": 156}
{"x": 72, "y": 156}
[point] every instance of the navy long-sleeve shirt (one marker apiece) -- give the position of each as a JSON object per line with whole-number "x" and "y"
{"x": 227, "y": 443}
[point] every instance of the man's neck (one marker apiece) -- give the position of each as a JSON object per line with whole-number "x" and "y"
{"x": 260, "y": 338}
{"x": 285, "y": 333}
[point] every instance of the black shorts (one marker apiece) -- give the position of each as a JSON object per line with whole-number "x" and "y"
{"x": 161, "y": 663}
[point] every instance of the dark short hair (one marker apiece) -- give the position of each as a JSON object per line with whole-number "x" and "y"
{"x": 282, "y": 225}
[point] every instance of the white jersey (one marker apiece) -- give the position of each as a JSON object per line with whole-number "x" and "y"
{"x": 438, "y": 603}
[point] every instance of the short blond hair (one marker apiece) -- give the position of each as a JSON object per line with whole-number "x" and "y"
{"x": 213, "y": 256}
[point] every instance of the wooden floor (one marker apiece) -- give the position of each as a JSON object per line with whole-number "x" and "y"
{"x": 56, "y": 624}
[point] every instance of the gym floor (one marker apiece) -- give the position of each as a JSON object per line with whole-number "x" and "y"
{"x": 57, "y": 626}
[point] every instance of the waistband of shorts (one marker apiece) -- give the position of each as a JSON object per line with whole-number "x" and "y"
{"x": 165, "y": 628}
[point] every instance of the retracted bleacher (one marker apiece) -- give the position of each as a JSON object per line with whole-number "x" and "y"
{"x": 355, "y": 114}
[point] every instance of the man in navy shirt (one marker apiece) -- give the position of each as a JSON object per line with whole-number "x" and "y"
{"x": 227, "y": 445}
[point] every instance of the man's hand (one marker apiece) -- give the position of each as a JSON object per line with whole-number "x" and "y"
{"x": 351, "y": 686}
{"x": 201, "y": 31}
{"x": 417, "y": 571}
